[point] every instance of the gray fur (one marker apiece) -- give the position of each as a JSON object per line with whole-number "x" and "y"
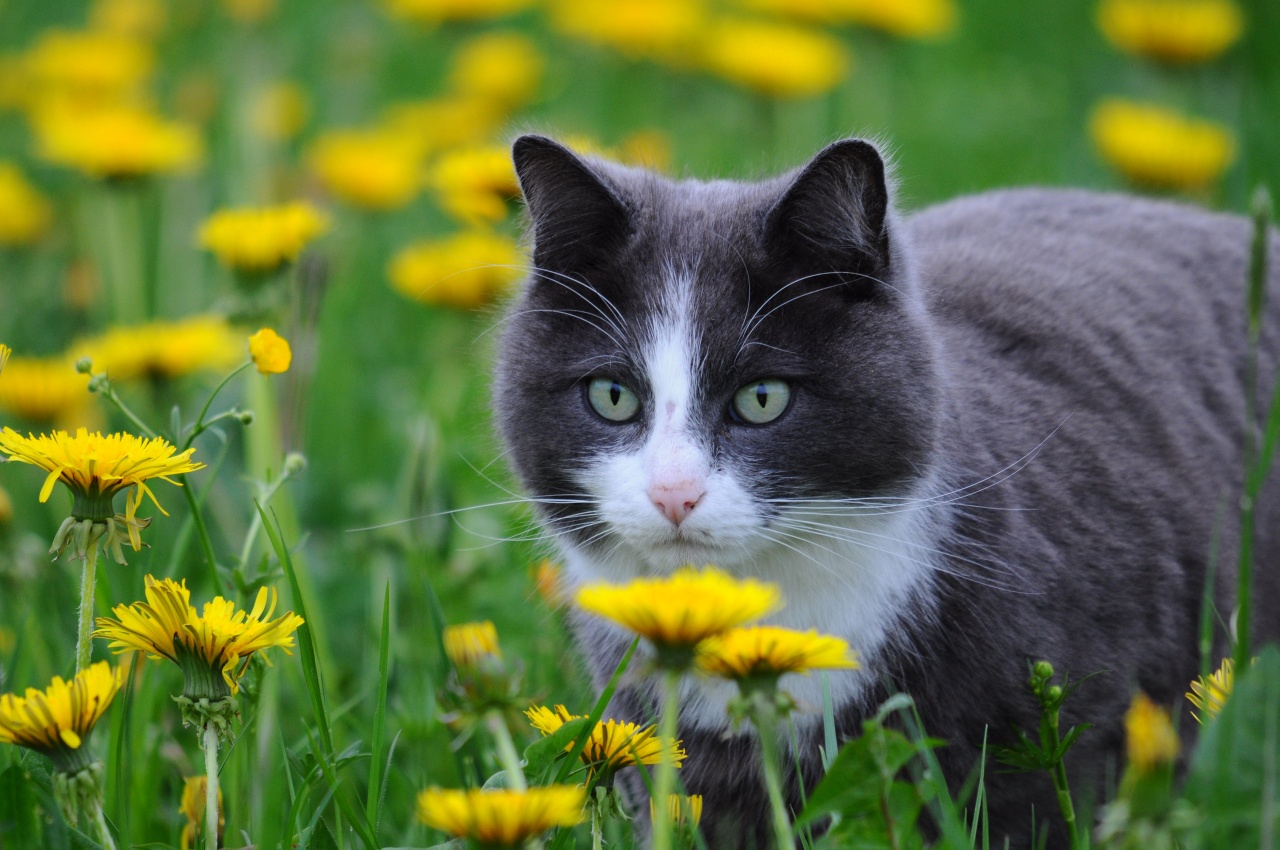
{"x": 1069, "y": 366}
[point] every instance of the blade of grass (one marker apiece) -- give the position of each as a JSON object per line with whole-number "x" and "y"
{"x": 306, "y": 640}
{"x": 373, "y": 802}
{"x": 597, "y": 711}
{"x": 348, "y": 807}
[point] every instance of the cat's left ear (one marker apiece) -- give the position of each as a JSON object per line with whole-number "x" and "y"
{"x": 833, "y": 216}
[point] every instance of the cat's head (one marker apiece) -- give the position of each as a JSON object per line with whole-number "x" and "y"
{"x": 689, "y": 361}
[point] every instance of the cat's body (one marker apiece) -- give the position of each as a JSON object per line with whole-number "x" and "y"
{"x": 1013, "y": 431}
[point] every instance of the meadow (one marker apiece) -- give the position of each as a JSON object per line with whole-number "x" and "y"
{"x": 365, "y": 144}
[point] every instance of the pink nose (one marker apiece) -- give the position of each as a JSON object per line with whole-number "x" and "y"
{"x": 676, "y": 501}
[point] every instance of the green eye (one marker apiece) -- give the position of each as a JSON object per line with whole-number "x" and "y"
{"x": 612, "y": 400}
{"x": 762, "y": 401}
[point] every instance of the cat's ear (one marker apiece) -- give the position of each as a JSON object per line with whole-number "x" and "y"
{"x": 577, "y": 218}
{"x": 833, "y": 216}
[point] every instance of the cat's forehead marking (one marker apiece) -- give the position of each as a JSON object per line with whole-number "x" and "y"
{"x": 671, "y": 351}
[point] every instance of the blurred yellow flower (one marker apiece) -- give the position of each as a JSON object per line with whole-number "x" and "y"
{"x": 681, "y": 809}
{"x": 142, "y": 19}
{"x": 195, "y": 793}
{"x": 213, "y": 648}
{"x": 549, "y": 584}
{"x": 612, "y": 744}
{"x": 87, "y": 65}
{"x": 659, "y": 29}
{"x": 646, "y": 148}
{"x": 95, "y": 467}
{"x": 466, "y": 271}
{"x": 280, "y": 111}
{"x": 115, "y": 141}
{"x": 164, "y": 349}
{"x": 58, "y": 720}
{"x": 437, "y": 124}
{"x": 470, "y": 644}
{"x": 24, "y": 213}
{"x": 1156, "y": 147}
{"x": 1209, "y": 693}
{"x": 504, "y": 68}
{"x": 779, "y": 60}
{"x": 501, "y": 818}
{"x": 440, "y": 11}
{"x": 45, "y": 389}
{"x": 5, "y": 351}
{"x": 1174, "y": 31}
{"x": 374, "y": 170}
{"x": 270, "y": 352}
{"x": 905, "y": 18}
{"x": 262, "y": 239}
{"x": 15, "y": 83}
{"x": 1149, "y": 735}
{"x": 475, "y": 185}
{"x": 684, "y": 609}
{"x": 769, "y": 651}
{"x": 248, "y": 11}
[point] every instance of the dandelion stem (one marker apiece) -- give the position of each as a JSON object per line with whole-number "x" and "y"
{"x": 1059, "y": 774}
{"x": 88, "y": 581}
{"x": 665, "y": 780}
{"x": 210, "y": 741}
{"x": 597, "y": 827}
{"x": 100, "y": 821}
{"x": 764, "y": 714}
{"x": 507, "y": 754}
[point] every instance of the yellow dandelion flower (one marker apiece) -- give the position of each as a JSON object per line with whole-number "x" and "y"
{"x": 195, "y": 793}
{"x": 504, "y": 68}
{"x": 270, "y": 352}
{"x": 443, "y": 123}
{"x": 87, "y": 65}
{"x": 612, "y": 745}
{"x": 1159, "y": 148}
{"x": 115, "y": 141}
{"x": 476, "y": 185}
{"x": 441, "y": 11}
{"x": 165, "y": 349}
{"x": 681, "y": 809}
{"x": 58, "y": 720}
{"x": 46, "y": 390}
{"x": 684, "y": 609}
{"x": 373, "y": 170}
{"x": 1209, "y": 693}
{"x": 24, "y": 213}
{"x": 96, "y": 467}
{"x": 1149, "y": 735}
{"x": 471, "y": 644}
{"x": 659, "y": 29}
{"x": 213, "y": 648}
{"x": 280, "y": 111}
{"x": 143, "y": 19}
{"x": 1173, "y": 31}
{"x": 466, "y": 271}
{"x": 770, "y": 651}
{"x": 501, "y": 818}
{"x": 779, "y": 60}
{"x": 262, "y": 239}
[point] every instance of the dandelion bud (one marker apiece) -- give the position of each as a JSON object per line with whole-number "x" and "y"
{"x": 1043, "y": 670}
{"x": 246, "y": 417}
{"x": 99, "y": 383}
{"x": 1053, "y": 694}
{"x": 294, "y": 463}
{"x": 84, "y": 365}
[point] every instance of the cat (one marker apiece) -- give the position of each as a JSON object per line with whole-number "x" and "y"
{"x": 1002, "y": 429}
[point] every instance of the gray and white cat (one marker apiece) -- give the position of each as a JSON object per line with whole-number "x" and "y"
{"x": 1000, "y": 430}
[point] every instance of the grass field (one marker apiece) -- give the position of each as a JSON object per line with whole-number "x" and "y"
{"x": 387, "y": 394}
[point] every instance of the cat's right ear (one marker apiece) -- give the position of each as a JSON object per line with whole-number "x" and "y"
{"x": 577, "y": 218}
